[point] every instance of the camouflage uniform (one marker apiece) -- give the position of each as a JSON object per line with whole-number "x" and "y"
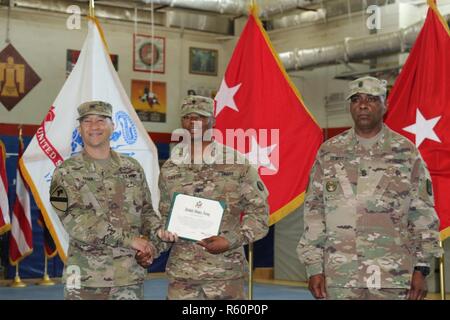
{"x": 107, "y": 207}
{"x": 369, "y": 216}
{"x": 193, "y": 272}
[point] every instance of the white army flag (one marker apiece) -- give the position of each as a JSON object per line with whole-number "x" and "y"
{"x": 93, "y": 78}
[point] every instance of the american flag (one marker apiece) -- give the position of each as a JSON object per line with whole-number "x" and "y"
{"x": 20, "y": 240}
{"x": 4, "y": 207}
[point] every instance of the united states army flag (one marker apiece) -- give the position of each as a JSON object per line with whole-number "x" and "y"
{"x": 93, "y": 78}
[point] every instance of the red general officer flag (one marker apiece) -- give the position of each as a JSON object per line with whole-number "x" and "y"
{"x": 282, "y": 137}
{"x": 419, "y": 106}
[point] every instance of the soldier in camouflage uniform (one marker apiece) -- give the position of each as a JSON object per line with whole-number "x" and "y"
{"x": 104, "y": 203}
{"x": 370, "y": 225}
{"x": 213, "y": 268}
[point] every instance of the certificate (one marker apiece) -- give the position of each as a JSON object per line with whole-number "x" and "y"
{"x": 195, "y": 218}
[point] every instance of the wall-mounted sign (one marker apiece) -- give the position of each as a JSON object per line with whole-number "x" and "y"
{"x": 149, "y": 101}
{"x": 149, "y": 53}
{"x": 17, "y": 78}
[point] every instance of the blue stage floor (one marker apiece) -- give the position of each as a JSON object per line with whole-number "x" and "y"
{"x": 155, "y": 289}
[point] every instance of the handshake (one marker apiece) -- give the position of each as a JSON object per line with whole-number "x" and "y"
{"x": 146, "y": 251}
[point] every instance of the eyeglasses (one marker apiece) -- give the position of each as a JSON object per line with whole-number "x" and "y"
{"x": 357, "y": 99}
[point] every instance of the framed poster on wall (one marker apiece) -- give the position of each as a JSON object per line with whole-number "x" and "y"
{"x": 149, "y": 53}
{"x": 203, "y": 61}
{"x": 150, "y": 102}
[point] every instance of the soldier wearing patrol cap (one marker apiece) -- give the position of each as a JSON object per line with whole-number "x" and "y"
{"x": 371, "y": 230}
{"x": 213, "y": 268}
{"x": 104, "y": 204}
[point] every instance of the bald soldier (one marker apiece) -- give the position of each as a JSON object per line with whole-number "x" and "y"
{"x": 370, "y": 228}
{"x": 104, "y": 204}
{"x": 213, "y": 268}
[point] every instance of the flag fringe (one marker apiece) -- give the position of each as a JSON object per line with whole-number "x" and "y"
{"x": 49, "y": 256}
{"x": 24, "y": 255}
{"x": 44, "y": 212}
{"x": 5, "y": 228}
{"x": 3, "y": 150}
{"x": 445, "y": 233}
{"x": 287, "y": 209}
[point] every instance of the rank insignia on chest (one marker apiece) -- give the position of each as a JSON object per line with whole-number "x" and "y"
{"x": 331, "y": 186}
{"x": 260, "y": 186}
{"x": 429, "y": 187}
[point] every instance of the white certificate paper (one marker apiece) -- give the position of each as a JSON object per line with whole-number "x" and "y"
{"x": 195, "y": 218}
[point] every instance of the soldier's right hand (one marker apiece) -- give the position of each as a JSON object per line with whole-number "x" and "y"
{"x": 317, "y": 286}
{"x": 144, "y": 259}
{"x": 167, "y": 236}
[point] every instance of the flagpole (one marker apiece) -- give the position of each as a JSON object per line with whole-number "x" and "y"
{"x": 250, "y": 271}
{"x": 91, "y": 8}
{"x": 46, "y": 281}
{"x": 250, "y": 245}
{"x": 17, "y": 282}
{"x": 442, "y": 273}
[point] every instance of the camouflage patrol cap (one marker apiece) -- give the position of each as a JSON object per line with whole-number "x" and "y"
{"x": 367, "y": 85}
{"x": 100, "y": 108}
{"x": 197, "y": 104}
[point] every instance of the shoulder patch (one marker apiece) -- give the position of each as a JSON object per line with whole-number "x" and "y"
{"x": 59, "y": 199}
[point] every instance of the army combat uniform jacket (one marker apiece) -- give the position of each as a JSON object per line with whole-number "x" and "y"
{"x": 106, "y": 209}
{"x": 369, "y": 214}
{"x": 240, "y": 187}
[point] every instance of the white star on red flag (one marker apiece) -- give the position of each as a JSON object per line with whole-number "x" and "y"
{"x": 259, "y": 156}
{"x": 281, "y": 136}
{"x": 423, "y": 128}
{"x": 225, "y": 97}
